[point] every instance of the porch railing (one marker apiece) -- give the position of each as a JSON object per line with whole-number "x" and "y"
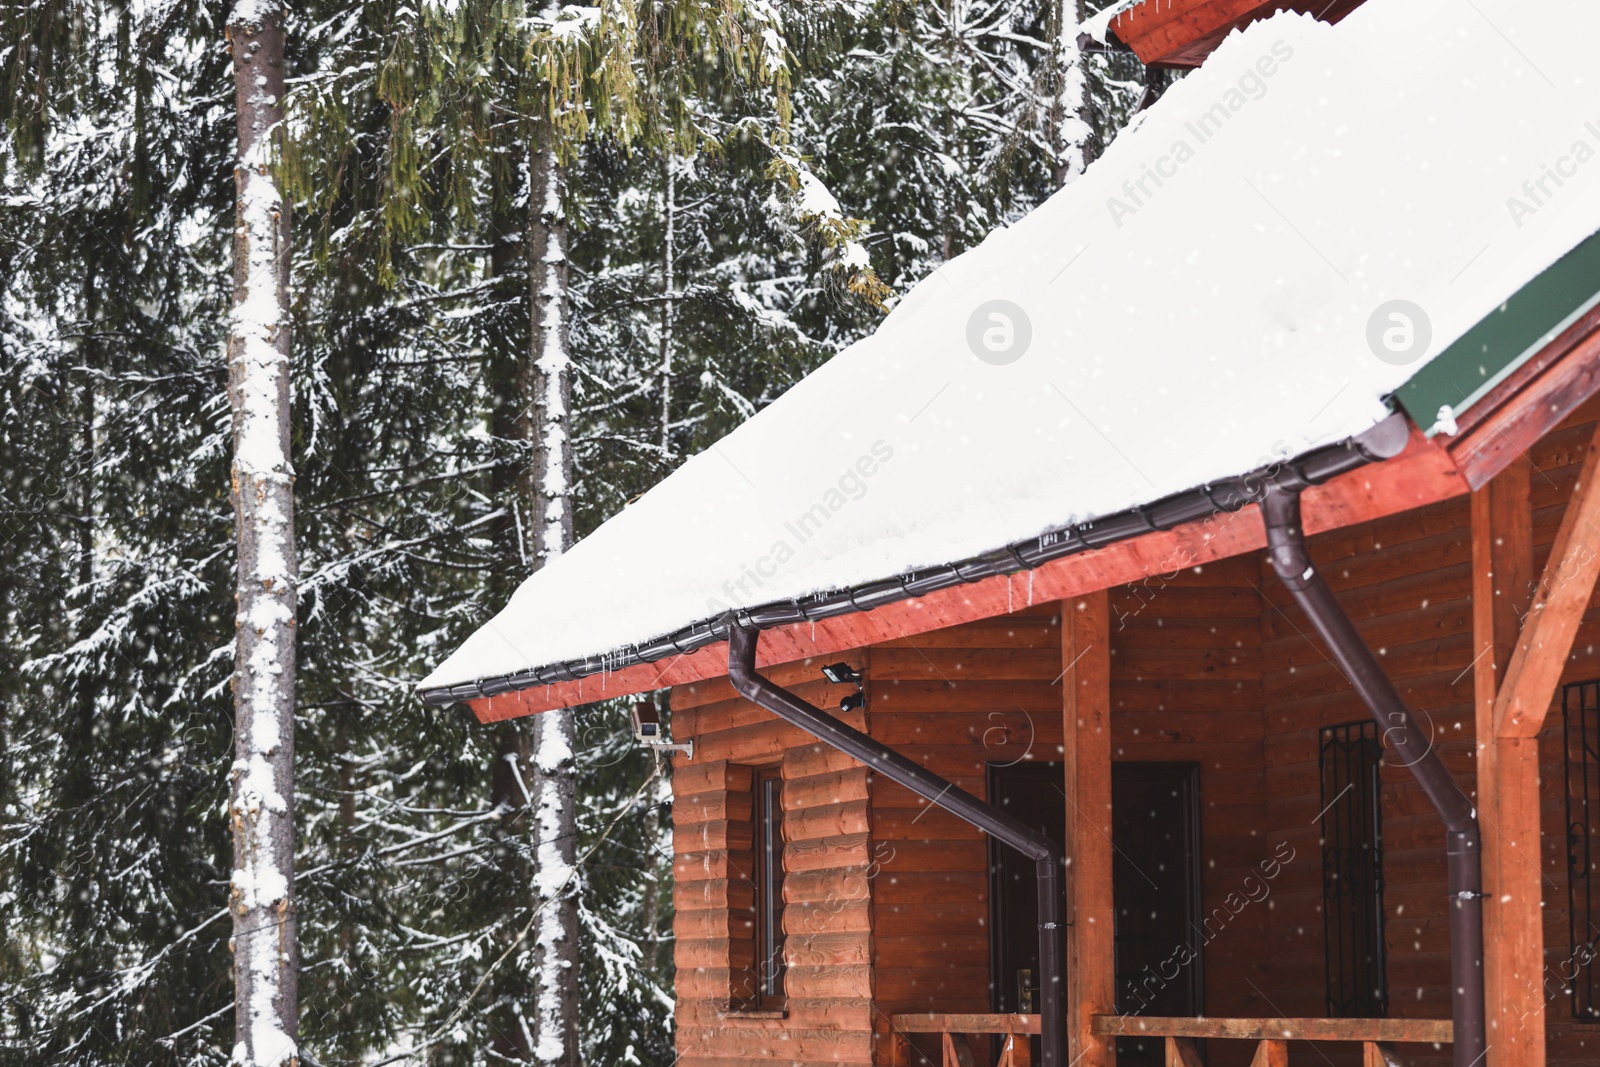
{"x": 955, "y": 1030}
{"x": 1270, "y": 1035}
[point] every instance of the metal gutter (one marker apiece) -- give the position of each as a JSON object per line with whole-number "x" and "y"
{"x": 1383, "y": 441}
{"x": 1049, "y": 861}
{"x": 1412, "y": 745}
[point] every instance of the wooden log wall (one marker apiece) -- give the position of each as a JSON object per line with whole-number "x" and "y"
{"x": 828, "y": 1014}
{"x": 954, "y": 700}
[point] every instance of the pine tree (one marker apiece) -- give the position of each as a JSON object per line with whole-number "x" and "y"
{"x": 796, "y": 165}
{"x": 115, "y": 569}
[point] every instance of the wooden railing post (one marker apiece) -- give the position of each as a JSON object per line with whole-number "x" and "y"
{"x": 1016, "y": 1052}
{"x": 1086, "y": 761}
{"x": 957, "y": 1053}
{"x": 1181, "y": 1052}
{"x": 1271, "y": 1054}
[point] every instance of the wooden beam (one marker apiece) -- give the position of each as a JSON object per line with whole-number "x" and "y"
{"x": 1086, "y": 761}
{"x": 1507, "y": 774}
{"x": 1531, "y": 402}
{"x": 1392, "y": 1031}
{"x": 962, "y": 1023}
{"x": 1558, "y": 607}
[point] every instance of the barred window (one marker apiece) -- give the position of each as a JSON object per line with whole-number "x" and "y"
{"x": 1352, "y": 871}
{"x": 1580, "y": 715}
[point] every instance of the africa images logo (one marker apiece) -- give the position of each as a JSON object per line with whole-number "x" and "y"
{"x": 999, "y": 332}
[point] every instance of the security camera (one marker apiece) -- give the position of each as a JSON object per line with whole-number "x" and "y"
{"x": 647, "y": 731}
{"x": 646, "y": 723}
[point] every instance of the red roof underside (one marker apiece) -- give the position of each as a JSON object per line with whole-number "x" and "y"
{"x": 1181, "y": 33}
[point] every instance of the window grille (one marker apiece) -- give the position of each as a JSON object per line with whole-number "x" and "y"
{"x": 1352, "y": 871}
{"x": 1580, "y": 716}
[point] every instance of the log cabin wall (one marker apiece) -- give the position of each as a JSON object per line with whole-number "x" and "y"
{"x": 1185, "y": 686}
{"x": 827, "y": 1016}
{"x": 954, "y": 700}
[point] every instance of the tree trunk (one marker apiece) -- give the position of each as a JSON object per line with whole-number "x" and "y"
{"x": 266, "y": 953}
{"x": 668, "y": 268}
{"x": 554, "y": 732}
{"x": 511, "y": 1031}
{"x": 1071, "y": 118}
{"x": 510, "y": 482}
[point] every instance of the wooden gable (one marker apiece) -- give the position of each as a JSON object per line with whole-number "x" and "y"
{"x": 1181, "y": 33}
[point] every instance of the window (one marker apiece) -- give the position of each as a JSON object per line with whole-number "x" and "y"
{"x": 757, "y": 905}
{"x": 1580, "y": 717}
{"x": 769, "y": 887}
{"x": 1352, "y": 871}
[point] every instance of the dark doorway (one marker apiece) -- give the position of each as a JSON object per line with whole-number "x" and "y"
{"x": 1032, "y": 793}
{"x": 1155, "y": 883}
{"x": 1155, "y": 886}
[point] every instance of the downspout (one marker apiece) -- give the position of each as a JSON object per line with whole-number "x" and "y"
{"x": 1048, "y": 859}
{"x": 1286, "y": 543}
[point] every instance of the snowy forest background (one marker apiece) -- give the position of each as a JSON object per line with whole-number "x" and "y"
{"x": 737, "y": 211}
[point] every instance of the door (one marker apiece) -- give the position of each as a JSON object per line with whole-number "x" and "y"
{"x": 1031, "y": 793}
{"x": 1155, "y": 887}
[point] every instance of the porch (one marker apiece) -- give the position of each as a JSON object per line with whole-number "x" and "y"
{"x": 893, "y": 934}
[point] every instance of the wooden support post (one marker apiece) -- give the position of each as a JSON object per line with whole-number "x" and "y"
{"x": 1182, "y": 1053}
{"x": 1507, "y": 775}
{"x": 1271, "y": 1054}
{"x": 1086, "y": 710}
{"x": 1510, "y": 716}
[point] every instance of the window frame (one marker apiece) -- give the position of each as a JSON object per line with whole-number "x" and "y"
{"x": 766, "y": 874}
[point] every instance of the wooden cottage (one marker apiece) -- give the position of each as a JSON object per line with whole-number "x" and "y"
{"x": 1196, "y": 579}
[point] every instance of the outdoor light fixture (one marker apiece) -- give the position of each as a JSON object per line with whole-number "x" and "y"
{"x": 841, "y": 674}
{"x": 844, "y": 674}
{"x": 647, "y": 731}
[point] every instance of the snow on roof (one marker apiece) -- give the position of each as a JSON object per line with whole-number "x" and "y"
{"x": 1205, "y": 299}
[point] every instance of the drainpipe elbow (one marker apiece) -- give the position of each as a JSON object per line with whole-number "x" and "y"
{"x": 1280, "y": 510}
{"x": 742, "y": 662}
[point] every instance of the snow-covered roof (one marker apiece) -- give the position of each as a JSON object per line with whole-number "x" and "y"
{"x": 1213, "y": 294}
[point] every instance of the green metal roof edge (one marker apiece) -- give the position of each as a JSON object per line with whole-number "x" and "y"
{"x": 1504, "y": 339}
